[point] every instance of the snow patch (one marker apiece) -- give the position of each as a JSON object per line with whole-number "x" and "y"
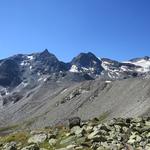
{"x": 108, "y": 81}
{"x": 144, "y": 64}
{"x": 45, "y": 80}
{"x": 24, "y": 63}
{"x": 64, "y": 91}
{"x": 24, "y": 84}
{"x": 30, "y": 57}
{"x": 124, "y": 68}
{"x": 91, "y": 69}
{"x": 85, "y": 69}
{"x": 40, "y": 79}
{"x": 74, "y": 68}
{"x": 104, "y": 65}
{"x": 94, "y": 62}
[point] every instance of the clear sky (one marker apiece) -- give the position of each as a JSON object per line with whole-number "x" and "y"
{"x": 118, "y": 29}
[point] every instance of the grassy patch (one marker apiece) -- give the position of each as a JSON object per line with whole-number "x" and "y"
{"x": 46, "y": 146}
{"x": 19, "y": 137}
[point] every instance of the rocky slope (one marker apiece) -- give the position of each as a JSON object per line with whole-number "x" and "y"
{"x": 37, "y": 90}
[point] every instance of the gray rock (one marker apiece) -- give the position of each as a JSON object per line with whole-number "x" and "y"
{"x": 38, "y": 138}
{"x": 77, "y": 131}
{"x": 52, "y": 142}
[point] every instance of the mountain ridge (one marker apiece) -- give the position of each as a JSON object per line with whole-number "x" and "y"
{"x": 40, "y": 89}
{"x": 83, "y": 63}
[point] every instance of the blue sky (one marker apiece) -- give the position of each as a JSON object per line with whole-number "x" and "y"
{"x": 118, "y": 29}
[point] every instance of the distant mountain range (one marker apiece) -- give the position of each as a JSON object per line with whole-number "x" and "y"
{"x": 26, "y": 78}
{"x": 19, "y": 69}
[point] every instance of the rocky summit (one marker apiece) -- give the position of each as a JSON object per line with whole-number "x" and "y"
{"x": 94, "y": 134}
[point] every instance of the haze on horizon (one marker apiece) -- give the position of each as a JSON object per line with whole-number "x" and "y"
{"x": 108, "y": 28}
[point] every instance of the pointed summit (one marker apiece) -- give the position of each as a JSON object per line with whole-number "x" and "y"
{"x": 45, "y": 53}
{"x": 86, "y": 62}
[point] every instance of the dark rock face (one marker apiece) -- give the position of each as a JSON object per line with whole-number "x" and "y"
{"x": 9, "y": 73}
{"x": 113, "y": 63}
{"x": 46, "y": 62}
{"x": 78, "y": 77}
{"x": 14, "y": 97}
{"x": 75, "y": 121}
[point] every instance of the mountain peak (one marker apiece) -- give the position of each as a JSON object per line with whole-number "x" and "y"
{"x": 87, "y": 54}
{"x": 45, "y": 52}
{"x": 90, "y": 53}
{"x": 146, "y": 57}
{"x": 86, "y": 62}
{"x": 46, "y": 55}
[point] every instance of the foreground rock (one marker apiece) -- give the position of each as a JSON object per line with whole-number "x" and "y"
{"x": 117, "y": 134}
{"x": 39, "y": 138}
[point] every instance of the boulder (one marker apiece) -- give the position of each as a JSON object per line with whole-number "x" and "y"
{"x": 147, "y": 147}
{"x": 38, "y": 138}
{"x": 52, "y": 142}
{"x": 77, "y": 131}
{"x": 70, "y": 147}
{"x": 75, "y": 121}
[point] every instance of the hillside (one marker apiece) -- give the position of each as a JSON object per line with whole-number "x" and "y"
{"x": 38, "y": 90}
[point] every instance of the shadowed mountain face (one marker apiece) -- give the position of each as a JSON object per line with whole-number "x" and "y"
{"x": 48, "y": 63}
{"x": 40, "y": 89}
{"x": 9, "y": 73}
